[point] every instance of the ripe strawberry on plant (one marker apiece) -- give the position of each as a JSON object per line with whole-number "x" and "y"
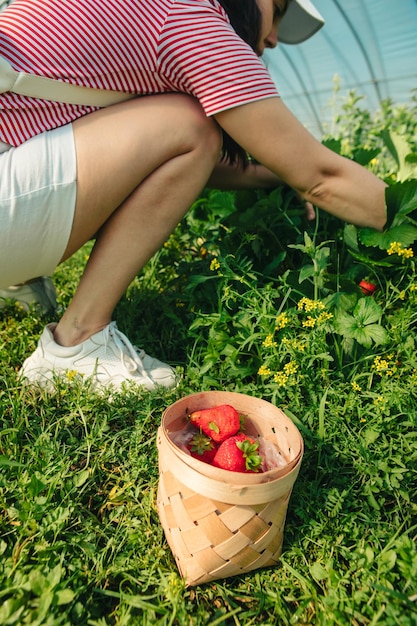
{"x": 202, "y": 448}
{"x": 367, "y": 288}
{"x": 219, "y": 422}
{"x": 239, "y": 453}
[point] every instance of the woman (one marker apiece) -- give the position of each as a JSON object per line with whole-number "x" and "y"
{"x": 126, "y": 174}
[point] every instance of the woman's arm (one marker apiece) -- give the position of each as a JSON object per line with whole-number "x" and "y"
{"x": 269, "y": 132}
{"x": 254, "y": 176}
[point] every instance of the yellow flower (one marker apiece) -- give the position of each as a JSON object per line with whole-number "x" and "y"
{"x": 71, "y": 374}
{"x": 281, "y": 379}
{"x": 214, "y": 265}
{"x": 290, "y": 368}
{"x": 380, "y": 402}
{"x": 281, "y": 321}
{"x": 293, "y": 344}
{"x": 394, "y": 247}
{"x": 264, "y": 371}
{"x": 269, "y": 342}
{"x": 355, "y": 386}
{"x": 383, "y": 366}
{"x": 310, "y": 305}
{"x": 324, "y": 317}
{"x": 397, "y": 248}
{"x": 380, "y": 364}
{"x": 310, "y": 322}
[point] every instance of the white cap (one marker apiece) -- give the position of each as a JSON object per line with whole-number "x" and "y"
{"x": 301, "y": 21}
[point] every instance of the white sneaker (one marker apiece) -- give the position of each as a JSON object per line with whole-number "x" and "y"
{"x": 40, "y": 291}
{"x": 107, "y": 358}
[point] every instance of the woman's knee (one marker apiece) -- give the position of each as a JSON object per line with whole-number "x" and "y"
{"x": 203, "y": 132}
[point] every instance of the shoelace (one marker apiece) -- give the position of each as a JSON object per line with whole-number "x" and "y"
{"x": 130, "y": 356}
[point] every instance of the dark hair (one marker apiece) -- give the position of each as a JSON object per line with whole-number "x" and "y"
{"x": 245, "y": 17}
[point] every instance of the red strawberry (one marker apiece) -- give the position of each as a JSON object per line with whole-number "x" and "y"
{"x": 367, "y": 288}
{"x": 239, "y": 454}
{"x": 202, "y": 448}
{"x": 219, "y": 422}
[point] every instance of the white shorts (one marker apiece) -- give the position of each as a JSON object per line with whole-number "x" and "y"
{"x": 37, "y": 202}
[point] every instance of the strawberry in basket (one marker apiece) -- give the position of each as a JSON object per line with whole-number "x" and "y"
{"x": 239, "y": 453}
{"x": 202, "y": 448}
{"x": 218, "y": 422}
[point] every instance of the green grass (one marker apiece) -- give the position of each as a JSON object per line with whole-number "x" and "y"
{"x": 245, "y": 296}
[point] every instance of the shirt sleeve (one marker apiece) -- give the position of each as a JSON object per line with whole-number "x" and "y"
{"x": 200, "y": 54}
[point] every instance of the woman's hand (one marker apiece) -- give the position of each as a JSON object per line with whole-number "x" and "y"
{"x": 254, "y": 176}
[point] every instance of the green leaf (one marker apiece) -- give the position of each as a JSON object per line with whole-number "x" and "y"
{"x": 401, "y": 199}
{"x": 350, "y": 236}
{"x": 361, "y": 325}
{"x": 9, "y": 463}
{"x": 44, "y": 605}
{"x": 10, "y": 612}
{"x": 412, "y": 157}
{"x": 222, "y": 203}
{"x": 318, "y": 572}
{"x": 389, "y": 559}
{"x": 306, "y": 272}
{"x": 370, "y": 435}
{"x": 400, "y": 149}
{"x": 366, "y": 260}
{"x": 345, "y": 324}
{"x": 363, "y": 155}
{"x": 371, "y": 333}
{"x": 341, "y": 301}
{"x": 63, "y": 596}
{"x": 38, "y": 582}
{"x": 81, "y": 477}
{"x": 196, "y": 279}
{"x": 367, "y": 311}
{"x": 333, "y": 144}
{"x": 406, "y": 234}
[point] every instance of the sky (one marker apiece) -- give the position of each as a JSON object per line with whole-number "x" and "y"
{"x": 366, "y": 45}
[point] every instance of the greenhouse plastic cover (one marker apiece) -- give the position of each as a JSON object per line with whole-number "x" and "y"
{"x": 369, "y": 46}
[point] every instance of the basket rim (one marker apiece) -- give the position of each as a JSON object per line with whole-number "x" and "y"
{"x": 218, "y": 490}
{"x": 221, "y": 474}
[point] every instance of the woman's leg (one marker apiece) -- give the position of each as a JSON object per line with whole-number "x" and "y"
{"x": 140, "y": 165}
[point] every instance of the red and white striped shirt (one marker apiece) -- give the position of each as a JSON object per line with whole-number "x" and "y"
{"x": 135, "y": 46}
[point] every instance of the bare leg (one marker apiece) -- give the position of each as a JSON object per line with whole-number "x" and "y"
{"x": 140, "y": 166}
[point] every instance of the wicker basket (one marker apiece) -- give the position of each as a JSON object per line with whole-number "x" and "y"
{"x": 220, "y": 523}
